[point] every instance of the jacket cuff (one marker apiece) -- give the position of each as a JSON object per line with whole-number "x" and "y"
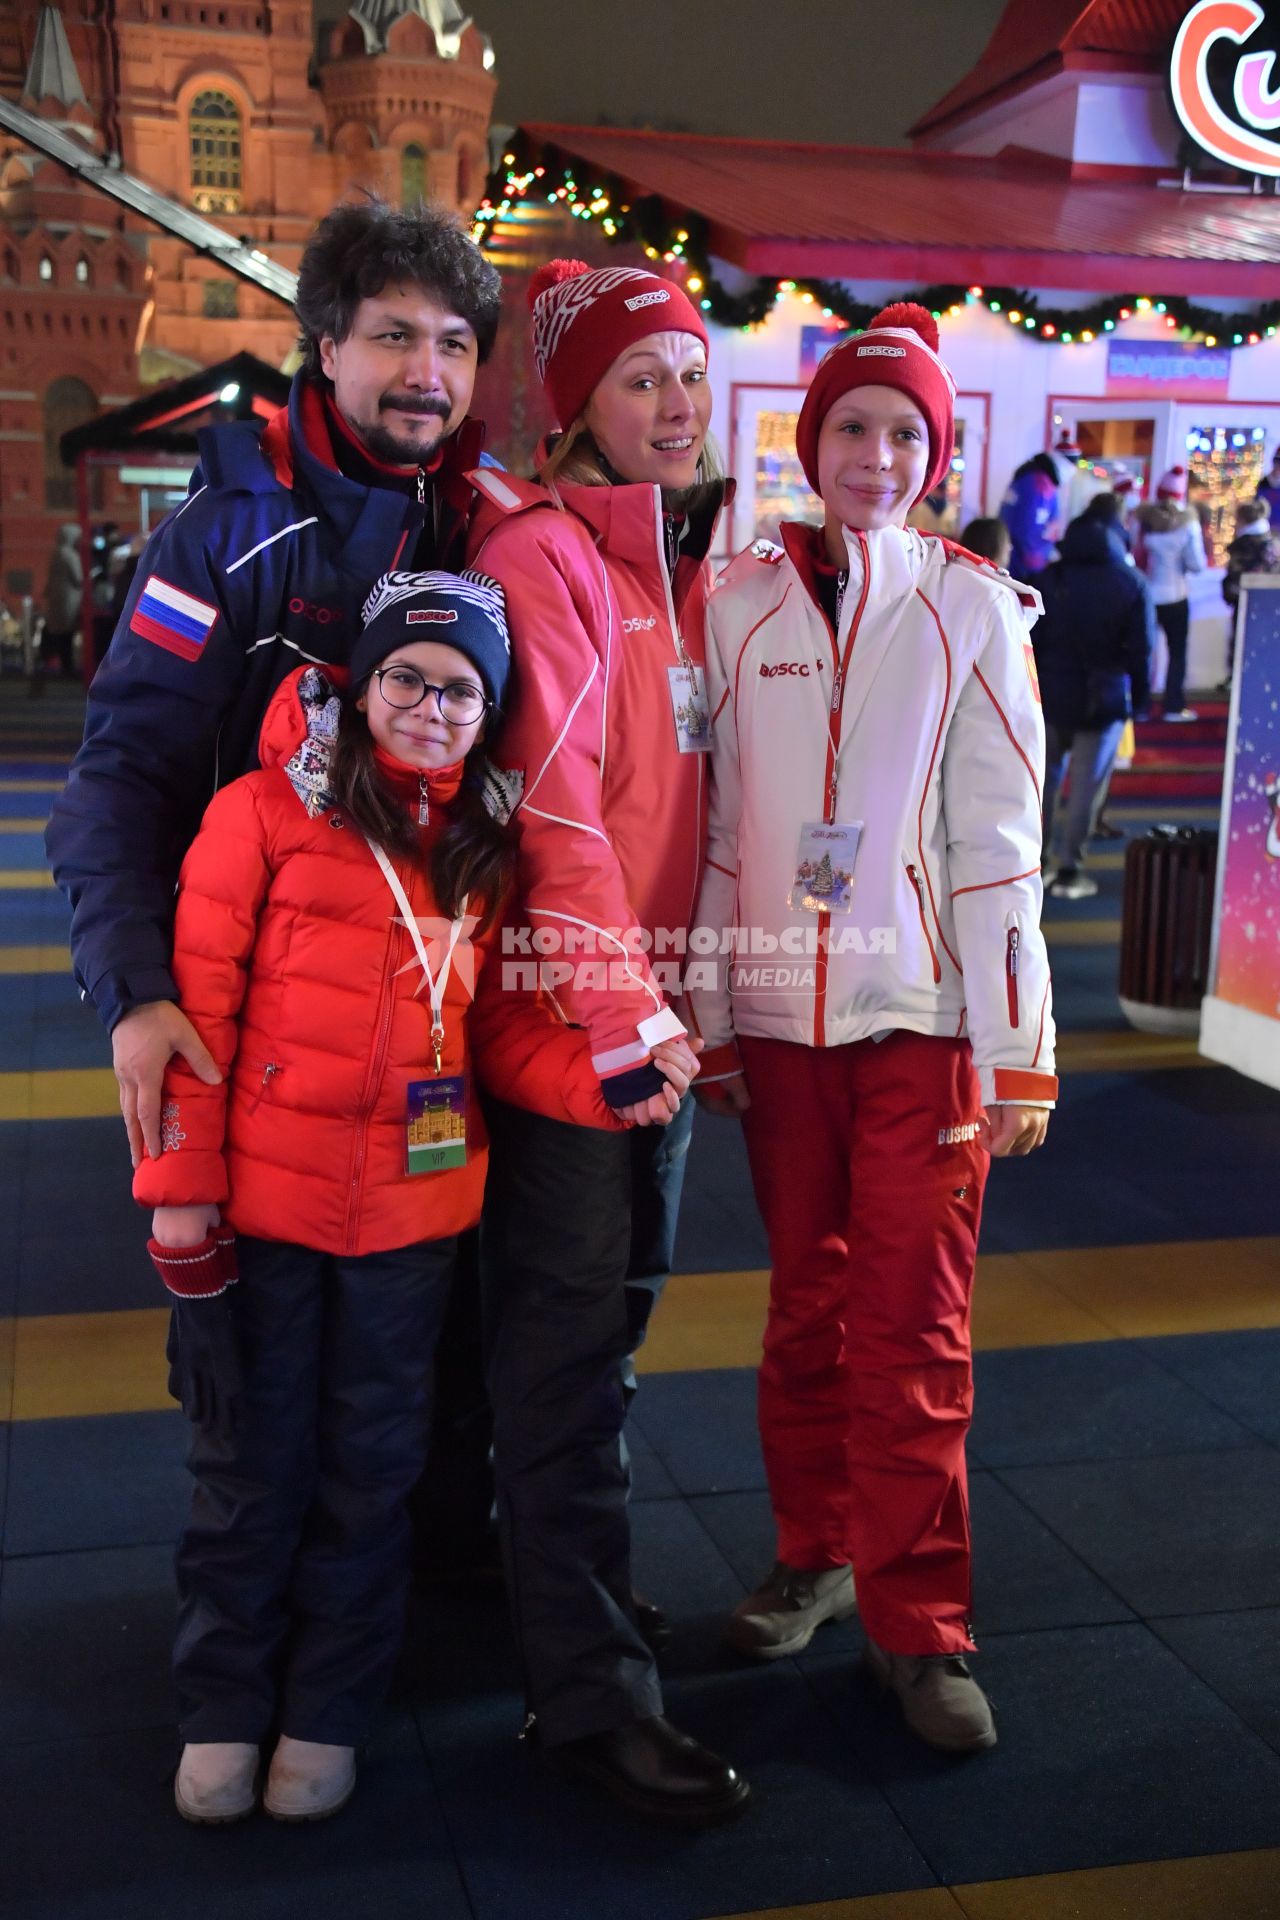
{"x": 719, "y": 1063}
{"x": 1017, "y": 1087}
{"x": 115, "y": 994}
{"x": 200, "y": 1272}
{"x": 641, "y": 1083}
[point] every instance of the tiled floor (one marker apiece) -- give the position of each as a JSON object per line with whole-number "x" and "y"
{"x": 1126, "y": 1510}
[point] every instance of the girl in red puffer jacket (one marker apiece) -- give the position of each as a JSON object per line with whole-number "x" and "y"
{"x": 337, "y": 914}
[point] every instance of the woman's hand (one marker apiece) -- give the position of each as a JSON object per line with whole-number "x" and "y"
{"x": 1009, "y": 1130}
{"x": 183, "y": 1226}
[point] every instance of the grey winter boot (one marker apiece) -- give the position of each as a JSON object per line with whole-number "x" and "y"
{"x": 940, "y": 1699}
{"x": 786, "y": 1610}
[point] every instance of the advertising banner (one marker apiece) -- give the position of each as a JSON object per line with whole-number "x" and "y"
{"x": 1241, "y": 1016}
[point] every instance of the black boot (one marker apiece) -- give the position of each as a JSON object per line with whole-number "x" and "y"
{"x": 655, "y": 1628}
{"x": 651, "y": 1768}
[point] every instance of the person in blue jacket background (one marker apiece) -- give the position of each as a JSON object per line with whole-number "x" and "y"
{"x": 1093, "y": 657}
{"x": 1030, "y": 511}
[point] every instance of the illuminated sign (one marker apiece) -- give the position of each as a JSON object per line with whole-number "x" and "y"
{"x": 1230, "y": 105}
{"x": 1139, "y": 368}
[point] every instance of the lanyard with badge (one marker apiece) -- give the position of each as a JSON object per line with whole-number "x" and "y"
{"x": 822, "y": 881}
{"x": 436, "y": 1109}
{"x": 687, "y": 684}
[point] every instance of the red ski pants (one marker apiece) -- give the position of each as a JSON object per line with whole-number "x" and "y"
{"x": 871, "y": 1195}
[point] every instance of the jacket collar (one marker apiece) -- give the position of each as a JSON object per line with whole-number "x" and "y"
{"x": 624, "y": 521}
{"x": 367, "y": 522}
{"x": 885, "y": 569}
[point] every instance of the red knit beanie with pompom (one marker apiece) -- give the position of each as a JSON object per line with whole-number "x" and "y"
{"x": 899, "y": 349}
{"x": 584, "y": 317}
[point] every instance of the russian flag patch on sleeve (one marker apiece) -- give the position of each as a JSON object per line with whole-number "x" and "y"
{"x": 174, "y": 620}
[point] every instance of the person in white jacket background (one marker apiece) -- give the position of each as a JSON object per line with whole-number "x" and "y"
{"x": 878, "y": 1005}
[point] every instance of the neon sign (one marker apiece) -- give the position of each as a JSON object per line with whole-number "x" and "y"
{"x": 1210, "y": 28}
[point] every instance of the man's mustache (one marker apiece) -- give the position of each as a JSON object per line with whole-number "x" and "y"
{"x": 428, "y": 404}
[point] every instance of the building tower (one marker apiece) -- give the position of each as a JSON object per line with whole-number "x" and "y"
{"x": 225, "y": 106}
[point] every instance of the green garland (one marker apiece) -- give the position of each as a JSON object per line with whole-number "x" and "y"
{"x": 529, "y": 174}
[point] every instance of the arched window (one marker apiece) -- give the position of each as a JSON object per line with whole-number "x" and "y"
{"x": 82, "y": 271}
{"x": 68, "y": 403}
{"x": 413, "y": 176}
{"x": 214, "y": 131}
{"x": 46, "y": 266}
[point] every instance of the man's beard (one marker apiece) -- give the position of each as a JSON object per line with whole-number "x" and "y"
{"x": 387, "y": 446}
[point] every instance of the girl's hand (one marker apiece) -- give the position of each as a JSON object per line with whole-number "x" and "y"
{"x": 728, "y": 1099}
{"x": 1009, "y": 1130}
{"x": 183, "y": 1226}
{"x": 678, "y": 1061}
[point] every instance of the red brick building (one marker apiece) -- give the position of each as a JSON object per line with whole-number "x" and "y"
{"x": 233, "y": 109}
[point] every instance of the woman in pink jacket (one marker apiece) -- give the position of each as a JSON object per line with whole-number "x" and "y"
{"x": 604, "y": 751}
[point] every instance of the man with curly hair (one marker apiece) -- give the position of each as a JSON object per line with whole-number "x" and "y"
{"x": 266, "y": 563}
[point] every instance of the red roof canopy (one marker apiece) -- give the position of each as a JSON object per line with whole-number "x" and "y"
{"x": 873, "y": 213}
{"x": 1035, "y": 39}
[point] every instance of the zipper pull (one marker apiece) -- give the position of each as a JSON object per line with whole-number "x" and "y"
{"x": 842, "y": 587}
{"x": 837, "y": 688}
{"x": 1013, "y": 941}
{"x": 424, "y": 809}
{"x": 437, "y": 1046}
{"x": 422, "y": 487}
{"x": 270, "y": 1069}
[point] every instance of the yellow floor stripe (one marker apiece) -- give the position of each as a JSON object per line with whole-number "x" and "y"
{"x": 33, "y": 960}
{"x": 1069, "y": 1298}
{"x": 6, "y": 1368}
{"x": 100, "y": 1363}
{"x": 90, "y": 1363}
{"x": 36, "y": 825}
{"x": 1082, "y": 933}
{"x": 1125, "y": 1052}
{"x": 87, "y": 1093}
{"x": 929, "y": 1903}
{"x": 71, "y": 1093}
{"x": 24, "y": 879}
{"x": 1217, "y": 1886}
{"x": 32, "y": 786}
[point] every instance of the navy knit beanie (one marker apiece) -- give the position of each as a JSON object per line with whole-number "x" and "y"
{"x": 466, "y": 611}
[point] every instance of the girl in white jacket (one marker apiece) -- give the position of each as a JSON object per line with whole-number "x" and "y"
{"x": 878, "y": 1008}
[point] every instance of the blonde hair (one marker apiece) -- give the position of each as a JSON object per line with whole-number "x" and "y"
{"x": 576, "y": 459}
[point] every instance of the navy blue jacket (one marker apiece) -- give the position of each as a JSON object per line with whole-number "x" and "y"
{"x": 267, "y": 562}
{"x": 1093, "y": 644}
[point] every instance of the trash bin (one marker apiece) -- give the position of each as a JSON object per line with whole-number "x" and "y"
{"x": 1165, "y": 928}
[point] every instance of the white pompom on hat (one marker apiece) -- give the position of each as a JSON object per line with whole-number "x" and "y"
{"x": 1173, "y": 486}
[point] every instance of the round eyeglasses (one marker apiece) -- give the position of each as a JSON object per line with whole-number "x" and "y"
{"x": 460, "y": 704}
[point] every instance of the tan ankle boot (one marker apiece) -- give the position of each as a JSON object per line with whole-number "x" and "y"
{"x": 217, "y": 1781}
{"x": 940, "y": 1699}
{"x": 309, "y": 1780}
{"x": 786, "y": 1610}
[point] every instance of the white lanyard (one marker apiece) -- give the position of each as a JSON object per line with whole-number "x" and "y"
{"x": 435, "y": 987}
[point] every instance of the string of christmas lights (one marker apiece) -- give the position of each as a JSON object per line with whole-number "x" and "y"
{"x": 545, "y": 175}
